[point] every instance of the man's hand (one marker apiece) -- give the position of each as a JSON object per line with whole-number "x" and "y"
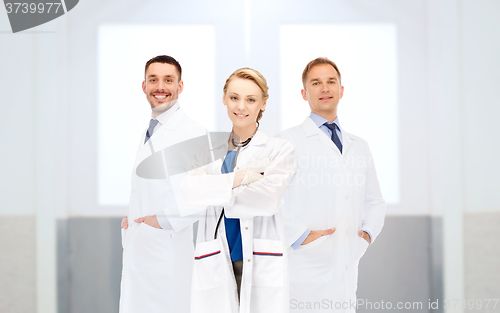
{"x": 315, "y": 234}
{"x": 125, "y": 222}
{"x": 150, "y": 220}
{"x": 365, "y": 236}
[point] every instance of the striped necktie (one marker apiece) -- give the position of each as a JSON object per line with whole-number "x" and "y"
{"x": 149, "y": 133}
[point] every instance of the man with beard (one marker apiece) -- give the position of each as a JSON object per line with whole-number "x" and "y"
{"x": 333, "y": 208}
{"x": 157, "y": 243}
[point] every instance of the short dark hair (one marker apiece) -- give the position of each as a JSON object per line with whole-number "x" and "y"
{"x": 164, "y": 59}
{"x": 318, "y": 61}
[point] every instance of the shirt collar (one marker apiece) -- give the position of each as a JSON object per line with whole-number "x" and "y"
{"x": 165, "y": 116}
{"x": 320, "y": 120}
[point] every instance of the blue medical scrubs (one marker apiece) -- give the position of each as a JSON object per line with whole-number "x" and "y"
{"x": 233, "y": 231}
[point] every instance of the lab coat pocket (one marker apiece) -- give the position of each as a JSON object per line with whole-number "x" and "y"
{"x": 149, "y": 251}
{"x": 312, "y": 263}
{"x": 313, "y": 244}
{"x": 259, "y": 166}
{"x": 359, "y": 249}
{"x": 124, "y": 232}
{"x": 268, "y": 263}
{"x": 207, "y": 268}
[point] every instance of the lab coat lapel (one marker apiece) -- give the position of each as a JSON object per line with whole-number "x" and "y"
{"x": 220, "y": 148}
{"x": 347, "y": 140}
{"x": 143, "y": 150}
{"x": 248, "y": 153}
{"x": 311, "y": 129}
{"x": 159, "y": 136}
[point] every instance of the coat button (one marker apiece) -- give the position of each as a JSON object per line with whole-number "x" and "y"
{"x": 248, "y": 260}
{"x": 246, "y": 228}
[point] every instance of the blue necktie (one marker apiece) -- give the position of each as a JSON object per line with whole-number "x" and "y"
{"x": 149, "y": 133}
{"x": 335, "y": 137}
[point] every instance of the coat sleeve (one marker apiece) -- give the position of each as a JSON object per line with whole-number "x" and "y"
{"x": 294, "y": 228}
{"x": 202, "y": 191}
{"x": 263, "y": 198}
{"x": 176, "y": 212}
{"x": 374, "y": 203}
{"x": 201, "y": 188}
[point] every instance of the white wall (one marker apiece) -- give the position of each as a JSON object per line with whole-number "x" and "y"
{"x": 479, "y": 91}
{"x": 34, "y": 162}
{"x": 444, "y": 140}
{"x": 17, "y": 121}
{"x": 480, "y": 78}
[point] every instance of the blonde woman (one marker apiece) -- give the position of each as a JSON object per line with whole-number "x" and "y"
{"x": 240, "y": 259}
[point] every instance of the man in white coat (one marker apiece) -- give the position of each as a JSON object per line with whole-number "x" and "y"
{"x": 333, "y": 208}
{"x": 157, "y": 242}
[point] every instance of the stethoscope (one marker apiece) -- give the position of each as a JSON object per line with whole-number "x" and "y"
{"x": 238, "y": 148}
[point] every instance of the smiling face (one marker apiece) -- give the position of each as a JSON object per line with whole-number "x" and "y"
{"x": 322, "y": 89}
{"x": 162, "y": 86}
{"x": 244, "y": 100}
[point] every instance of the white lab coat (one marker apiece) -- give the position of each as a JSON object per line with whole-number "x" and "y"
{"x": 329, "y": 190}
{"x": 264, "y": 286}
{"x": 157, "y": 263}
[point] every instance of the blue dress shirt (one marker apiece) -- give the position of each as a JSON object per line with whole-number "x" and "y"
{"x": 320, "y": 120}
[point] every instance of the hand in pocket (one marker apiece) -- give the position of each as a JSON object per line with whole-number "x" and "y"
{"x": 316, "y": 234}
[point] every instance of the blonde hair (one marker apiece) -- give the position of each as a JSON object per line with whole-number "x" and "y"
{"x": 256, "y": 77}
